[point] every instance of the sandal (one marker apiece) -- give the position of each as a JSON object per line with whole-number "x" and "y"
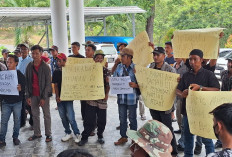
{"x": 48, "y": 139}
{"x": 33, "y": 137}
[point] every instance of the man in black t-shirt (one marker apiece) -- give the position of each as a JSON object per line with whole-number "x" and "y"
{"x": 75, "y": 49}
{"x": 12, "y": 103}
{"x": 65, "y": 108}
{"x": 199, "y": 79}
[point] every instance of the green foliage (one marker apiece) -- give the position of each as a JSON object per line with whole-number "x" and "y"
{"x": 17, "y": 35}
{"x": 169, "y": 35}
{"x": 169, "y": 15}
{"x": 204, "y": 14}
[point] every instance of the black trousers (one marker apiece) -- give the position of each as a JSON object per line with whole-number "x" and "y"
{"x": 93, "y": 113}
{"x": 166, "y": 119}
{"x": 23, "y": 113}
{"x": 83, "y": 106}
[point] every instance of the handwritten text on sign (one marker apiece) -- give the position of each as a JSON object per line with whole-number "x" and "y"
{"x": 198, "y": 106}
{"x": 157, "y": 87}
{"x": 72, "y": 60}
{"x": 82, "y": 82}
{"x": 142, "y": 51}
{"x": 8, "y": 82}
{"x": 120, "y": 85}
{"x": 207, "y": 40}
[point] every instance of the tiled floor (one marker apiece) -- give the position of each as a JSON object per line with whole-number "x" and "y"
{"x": 39, "y": 148}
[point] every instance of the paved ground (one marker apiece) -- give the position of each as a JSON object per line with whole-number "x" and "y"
{"x": 39, "y": 148}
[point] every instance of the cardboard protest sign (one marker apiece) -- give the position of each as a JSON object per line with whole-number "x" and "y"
{"x": 120, "y": 85}
{"x": 82, "y": 82}
{"x": 8, "y": 82}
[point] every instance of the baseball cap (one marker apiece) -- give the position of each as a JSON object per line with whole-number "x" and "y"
{"x": 17, "y": 50}
{"x": 154, "y": 137}
{"x": 5, "y": 51}
{"x": 127, "y": 51}
{"x": 24, "y": 44}
{"x": 45, "y": 59}
{"x": 98, "y": 52}
{"x": 54, "y": 48}
{"x": 158, "y": 50}
{"x": 88, "y": 42}
{"x": 62, "y": 56}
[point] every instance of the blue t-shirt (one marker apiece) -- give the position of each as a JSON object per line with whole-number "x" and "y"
{"x": 170, "y": 60}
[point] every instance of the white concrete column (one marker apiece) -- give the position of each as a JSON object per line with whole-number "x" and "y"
{"x": 59, "y": 25}
{"x": 77, "y": 22}
{"x": 133, "y": 25}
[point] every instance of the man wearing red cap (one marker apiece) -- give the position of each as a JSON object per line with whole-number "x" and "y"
{"x": 65, "y": 108}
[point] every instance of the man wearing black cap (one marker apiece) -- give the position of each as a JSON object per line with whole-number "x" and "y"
{"x": 199, "y": 79}
{"x": 163, "y": 116}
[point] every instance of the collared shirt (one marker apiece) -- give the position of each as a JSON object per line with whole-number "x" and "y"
{"x": 23, "y": 64}
{"x": 182, "y": 68}
{"x": 53, "y": 64}
{"x": 127, "y": 99}
{"x": 226, "y": 81}
{"x": 204, "y": 78}
{"x": 165, "y": 67}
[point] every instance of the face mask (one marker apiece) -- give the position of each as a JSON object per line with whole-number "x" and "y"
{"x": 214, "y": 129}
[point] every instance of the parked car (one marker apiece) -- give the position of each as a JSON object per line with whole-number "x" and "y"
{"x": 110, "y": 53}
{"x": 221, "y": 61}
{"x": 109, "y": 39}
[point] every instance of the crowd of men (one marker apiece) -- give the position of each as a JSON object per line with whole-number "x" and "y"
{"x": 37, "y": 73}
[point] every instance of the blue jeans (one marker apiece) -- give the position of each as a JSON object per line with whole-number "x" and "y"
{"x": 122, "y": 109}
{"x": 67, "y": 116}
{"x": 198, "y": 141}
{"x": 7, "y": 109}
{"x": 189, "y": 141}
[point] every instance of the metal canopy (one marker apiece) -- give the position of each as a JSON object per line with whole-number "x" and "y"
{"x": 20, "y": 16}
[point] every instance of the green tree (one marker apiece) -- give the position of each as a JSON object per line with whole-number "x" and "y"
{"x": 204, "y": 14}
{"x": 22, "y": 34}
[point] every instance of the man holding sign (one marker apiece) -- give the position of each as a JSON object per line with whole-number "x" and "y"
{"x": 163, "y": 116}
{"x": 199, "y": 79}
{"x": 12, "y": 103}
{"x": 127, "y": 101}
{"x": 95, "y": 110}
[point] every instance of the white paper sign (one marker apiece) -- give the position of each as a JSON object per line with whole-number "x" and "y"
{"x": 8, "y": 82}
{"x": 120, "y": 85}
